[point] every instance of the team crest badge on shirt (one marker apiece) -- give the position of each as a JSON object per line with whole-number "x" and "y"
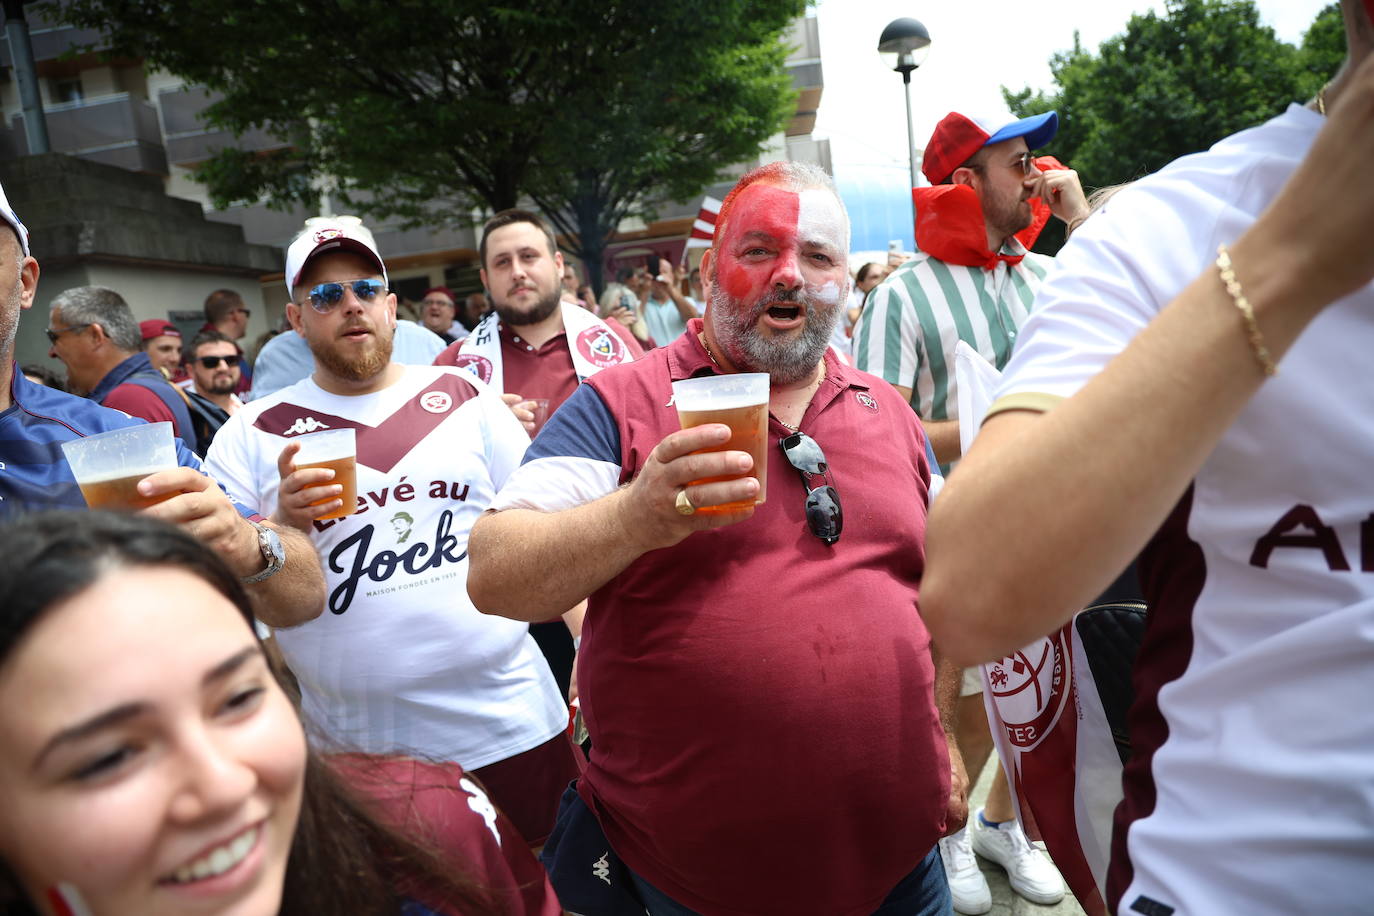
{"x": 600, "y": 347}
{"x": 1030, "y": 688}
{"x": 479, "y": 366}
{"x": 436, "y": 401}
{"x": 866, "y": 399}
{"x": 324, "y": 235}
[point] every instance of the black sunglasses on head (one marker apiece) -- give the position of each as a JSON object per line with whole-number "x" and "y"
{"x": 823, "y": 514}
{"x": 210, "y": 362}
{"x": 324, "y": 297}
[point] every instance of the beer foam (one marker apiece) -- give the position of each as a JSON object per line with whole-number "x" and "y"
{"x": 122, "y": 474}
{"x": 697, "y": 401}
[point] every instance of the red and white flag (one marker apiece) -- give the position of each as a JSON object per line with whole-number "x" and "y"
{"x": 704, "y": 228}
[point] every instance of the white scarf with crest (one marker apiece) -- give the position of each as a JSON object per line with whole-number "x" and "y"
{"x": 594, "y": 346}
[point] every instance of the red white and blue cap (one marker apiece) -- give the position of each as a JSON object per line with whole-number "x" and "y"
{"x": 7, "y": 213}
{"x": 323, "y": 234}
{"x": 958, "y": 136}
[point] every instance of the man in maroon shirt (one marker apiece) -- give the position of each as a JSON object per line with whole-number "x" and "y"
{"x": 536, "y": 350}
{"x": 770, "y": 733}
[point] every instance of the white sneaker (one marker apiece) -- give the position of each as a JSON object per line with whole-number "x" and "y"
{"x": 967, "y": 885}
{"x": 1031, "y": 874}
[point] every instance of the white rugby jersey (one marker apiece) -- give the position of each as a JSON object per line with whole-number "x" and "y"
{"x": 1251, "y": 788}
{"x": 400, "y": 660}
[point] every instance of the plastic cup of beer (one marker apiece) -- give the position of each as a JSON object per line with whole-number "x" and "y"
{"x": 337, "y": 450}
{"x": 109, "y": 465}
{"x": 740, "y": 401}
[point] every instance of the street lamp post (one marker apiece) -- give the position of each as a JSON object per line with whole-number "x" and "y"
{"x": 905, "y": 44}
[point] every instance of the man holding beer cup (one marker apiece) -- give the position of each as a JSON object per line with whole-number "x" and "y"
{"x": 402, "y": 663}
{"x": 278, "y": 566}
{"x": 757, "y": 682}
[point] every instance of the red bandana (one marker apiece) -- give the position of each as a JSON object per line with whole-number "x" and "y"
{"x": 950, "y": 227}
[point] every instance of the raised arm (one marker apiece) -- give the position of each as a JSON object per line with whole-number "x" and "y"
{"x": 534, "y": 565}
{"x": 1065, "y": 499}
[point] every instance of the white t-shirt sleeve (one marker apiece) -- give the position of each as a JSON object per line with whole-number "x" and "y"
{"x": 1125, "y": 264}
{"x": 506, "y": 439}
{"x": 233, "y": 460}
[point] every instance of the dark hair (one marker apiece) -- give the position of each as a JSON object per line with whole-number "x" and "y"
{"x": 343, "y": 860}
{"x": 864, "y": 271}
{"x": 510, "y": 218}
{"x": 220, "y": 304}
{"x": 188, "y": 352}
{"x": 44, "y": 375}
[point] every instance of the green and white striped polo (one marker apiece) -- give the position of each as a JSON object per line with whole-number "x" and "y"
{"x": 913, "y": 319}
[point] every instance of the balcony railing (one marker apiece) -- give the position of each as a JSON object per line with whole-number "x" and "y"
{"x": 117, "y": 129}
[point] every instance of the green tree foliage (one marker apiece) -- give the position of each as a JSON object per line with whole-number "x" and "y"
{"x": 431, "y": 109}
{"x": 1175, "y": 84}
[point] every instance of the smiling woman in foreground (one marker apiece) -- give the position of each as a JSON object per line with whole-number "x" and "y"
{"x": 151, "y": 763}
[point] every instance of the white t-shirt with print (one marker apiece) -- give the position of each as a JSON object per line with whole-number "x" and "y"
{"x": 400, "y": 660}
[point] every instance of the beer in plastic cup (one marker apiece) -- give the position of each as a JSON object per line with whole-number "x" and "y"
{"x": 337, "y": 450}
{"x": 109, "y": 465}
{"x": 740, "y": 401}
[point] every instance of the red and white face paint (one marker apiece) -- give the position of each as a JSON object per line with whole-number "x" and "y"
{"x": 780, "y": 274}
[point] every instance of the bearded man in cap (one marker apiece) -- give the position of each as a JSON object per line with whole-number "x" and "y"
{"x": 402, "y": 663}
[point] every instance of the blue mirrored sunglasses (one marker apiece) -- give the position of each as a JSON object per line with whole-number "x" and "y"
{"x": 326, "y": 296}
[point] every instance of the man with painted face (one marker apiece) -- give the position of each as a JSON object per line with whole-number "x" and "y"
{"x": 401, "y": 663}
{"x": 758, "y": 685}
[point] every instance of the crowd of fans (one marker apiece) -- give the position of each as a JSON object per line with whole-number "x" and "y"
{"x": 268, "y": 693}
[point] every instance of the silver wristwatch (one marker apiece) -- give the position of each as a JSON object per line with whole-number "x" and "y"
{"x": 272, "y": 552}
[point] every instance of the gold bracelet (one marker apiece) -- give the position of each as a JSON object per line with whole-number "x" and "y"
{"x": 1252, "y": 331}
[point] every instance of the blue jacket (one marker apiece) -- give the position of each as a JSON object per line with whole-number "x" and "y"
{"x": 138, "y": 370}
{"x": 33, "y": 471}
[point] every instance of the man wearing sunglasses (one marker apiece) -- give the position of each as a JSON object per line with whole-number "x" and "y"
{"x": 93, "y": 331}
{"x": 973, "y": 279}
{"x": 758, "y": 685}
{"x": 402, "y": 663}
{"x": 212, "y": 360}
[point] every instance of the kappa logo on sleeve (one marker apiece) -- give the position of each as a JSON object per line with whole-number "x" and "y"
{"x": 304, "y": 425}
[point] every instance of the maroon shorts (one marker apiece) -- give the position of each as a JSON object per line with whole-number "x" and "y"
{"x": 528, "y": 786}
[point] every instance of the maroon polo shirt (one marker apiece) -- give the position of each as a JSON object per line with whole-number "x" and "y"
{"x": 539, "y": 372}
{"x": 764, "y": 734}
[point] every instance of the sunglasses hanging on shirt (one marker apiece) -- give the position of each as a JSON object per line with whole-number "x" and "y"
{"x": 823, "y": 514}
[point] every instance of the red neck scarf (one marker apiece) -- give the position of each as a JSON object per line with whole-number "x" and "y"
{"x": 949, "y": 224}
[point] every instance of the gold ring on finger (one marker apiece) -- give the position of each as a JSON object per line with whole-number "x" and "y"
{"x": 683, "y": 504}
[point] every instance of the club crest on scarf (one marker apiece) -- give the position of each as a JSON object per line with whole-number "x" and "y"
{"x": 479, "y": 366}
{"x": 1030, "y": 688}
{"x": 600, "y": 347}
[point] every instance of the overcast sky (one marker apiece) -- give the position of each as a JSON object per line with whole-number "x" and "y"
{"x": 977, "y": 46}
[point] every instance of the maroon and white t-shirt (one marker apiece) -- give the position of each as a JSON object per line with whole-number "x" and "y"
{"x": 764, "y": 735}
{"x": 1251, "y": 785}
{"x": 400, "y": 661}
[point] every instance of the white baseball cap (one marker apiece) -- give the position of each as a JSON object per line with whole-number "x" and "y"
{"x": 329, "y": 233}
{"x": 7, "y": 212}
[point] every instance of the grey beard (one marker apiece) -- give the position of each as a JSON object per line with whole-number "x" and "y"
{"x": 786, "y": 362}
